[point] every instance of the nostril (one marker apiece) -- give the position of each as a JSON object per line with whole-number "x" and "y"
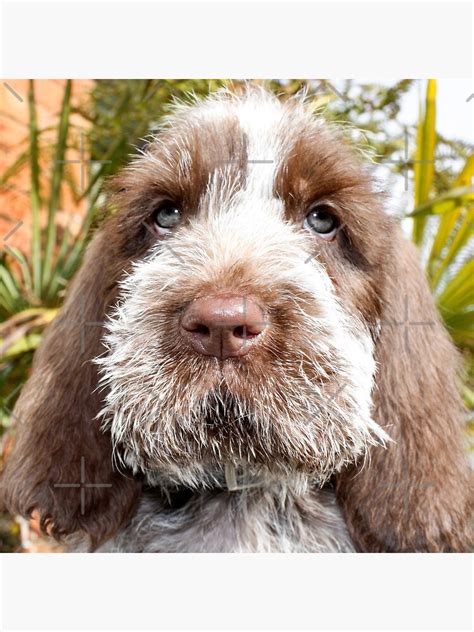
{"x": 245, "y": 332}
{"x": 202, "y": 330}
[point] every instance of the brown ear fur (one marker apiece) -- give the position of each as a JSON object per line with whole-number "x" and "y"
{"x": 416, "y": 494}
{"x": 58, "y": 439}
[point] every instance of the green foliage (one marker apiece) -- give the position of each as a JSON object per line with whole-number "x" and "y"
{"x": 32, "y": 280}
{"x": 37, "y": 276}
{"x": 449, "y": 262}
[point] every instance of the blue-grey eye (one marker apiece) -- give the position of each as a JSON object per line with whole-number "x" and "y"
{"x": 167, "y": 215}
{"x": 322, "y": 220}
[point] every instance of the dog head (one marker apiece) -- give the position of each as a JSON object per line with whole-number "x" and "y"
{"x": 245, "y": 293}
{"x": 243, "y": 335}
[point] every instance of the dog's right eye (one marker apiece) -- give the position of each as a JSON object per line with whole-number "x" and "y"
{"x": 167, "y": 215}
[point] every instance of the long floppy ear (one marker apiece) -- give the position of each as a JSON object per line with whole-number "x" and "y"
{"x": 61, "y": 464}
{"x": 416, "y": 494}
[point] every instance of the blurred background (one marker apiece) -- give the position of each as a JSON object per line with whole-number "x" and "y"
{"x": 59, "y": 141}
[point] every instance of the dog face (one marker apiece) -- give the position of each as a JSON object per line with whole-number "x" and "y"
{"x": 244, "y": 309}
{"x": 236, "y": 339}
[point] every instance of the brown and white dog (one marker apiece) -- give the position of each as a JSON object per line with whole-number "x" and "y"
{"x": 237, "y": 366}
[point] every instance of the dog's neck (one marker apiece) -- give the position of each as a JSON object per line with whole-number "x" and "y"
{"x": 232, "y": 478}
{"x": 233, "y": 508}
{"x": 255, "y": 518}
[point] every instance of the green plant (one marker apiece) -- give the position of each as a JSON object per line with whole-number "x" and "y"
{"x": 443, "y": 228}
{"x": 32, "y": 280}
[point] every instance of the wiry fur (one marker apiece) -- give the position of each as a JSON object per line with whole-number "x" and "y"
{"x": 231, "y": 413}
{"x": 234, "y": 453}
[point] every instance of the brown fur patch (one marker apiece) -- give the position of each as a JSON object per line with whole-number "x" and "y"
{"x": 417, "y": 494}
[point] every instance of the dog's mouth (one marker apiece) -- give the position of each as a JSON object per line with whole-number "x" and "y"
{"x": 216, "y": 417}
{"x": 233, "y": 424}
{"x": 226, "y": 442}
{"x": 225, "y": 380}
{"x": 229, "y": 447}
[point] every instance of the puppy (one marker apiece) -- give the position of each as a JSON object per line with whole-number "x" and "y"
{"x": 249, "y": 358}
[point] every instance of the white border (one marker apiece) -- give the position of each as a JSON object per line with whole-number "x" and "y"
{"x": 232, "y": 39}
{"x": 221, "y": 592}
{"x": 306, "y": 39}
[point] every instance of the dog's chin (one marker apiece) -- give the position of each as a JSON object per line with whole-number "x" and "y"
{"x": 221, "y": 448}
{"x": 184, "y": 419}
{"x": 223, "y": 440}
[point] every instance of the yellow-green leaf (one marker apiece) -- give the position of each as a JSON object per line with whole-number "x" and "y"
{"x": 424, "y": 157}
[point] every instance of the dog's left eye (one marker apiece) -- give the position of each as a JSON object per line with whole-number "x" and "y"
{"x": 322, "y": 220}
{"x": 167, "y": 215}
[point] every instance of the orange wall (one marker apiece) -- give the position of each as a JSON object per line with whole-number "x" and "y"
{"x": 14, "y": 199}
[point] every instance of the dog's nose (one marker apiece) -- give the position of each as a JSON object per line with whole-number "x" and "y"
{"x": 223, "y": 326}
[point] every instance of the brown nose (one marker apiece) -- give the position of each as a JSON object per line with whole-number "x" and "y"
{"x": 223, "y": 326}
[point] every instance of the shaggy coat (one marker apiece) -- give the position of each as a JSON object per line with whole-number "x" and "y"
{"x": 337, "y": 428}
